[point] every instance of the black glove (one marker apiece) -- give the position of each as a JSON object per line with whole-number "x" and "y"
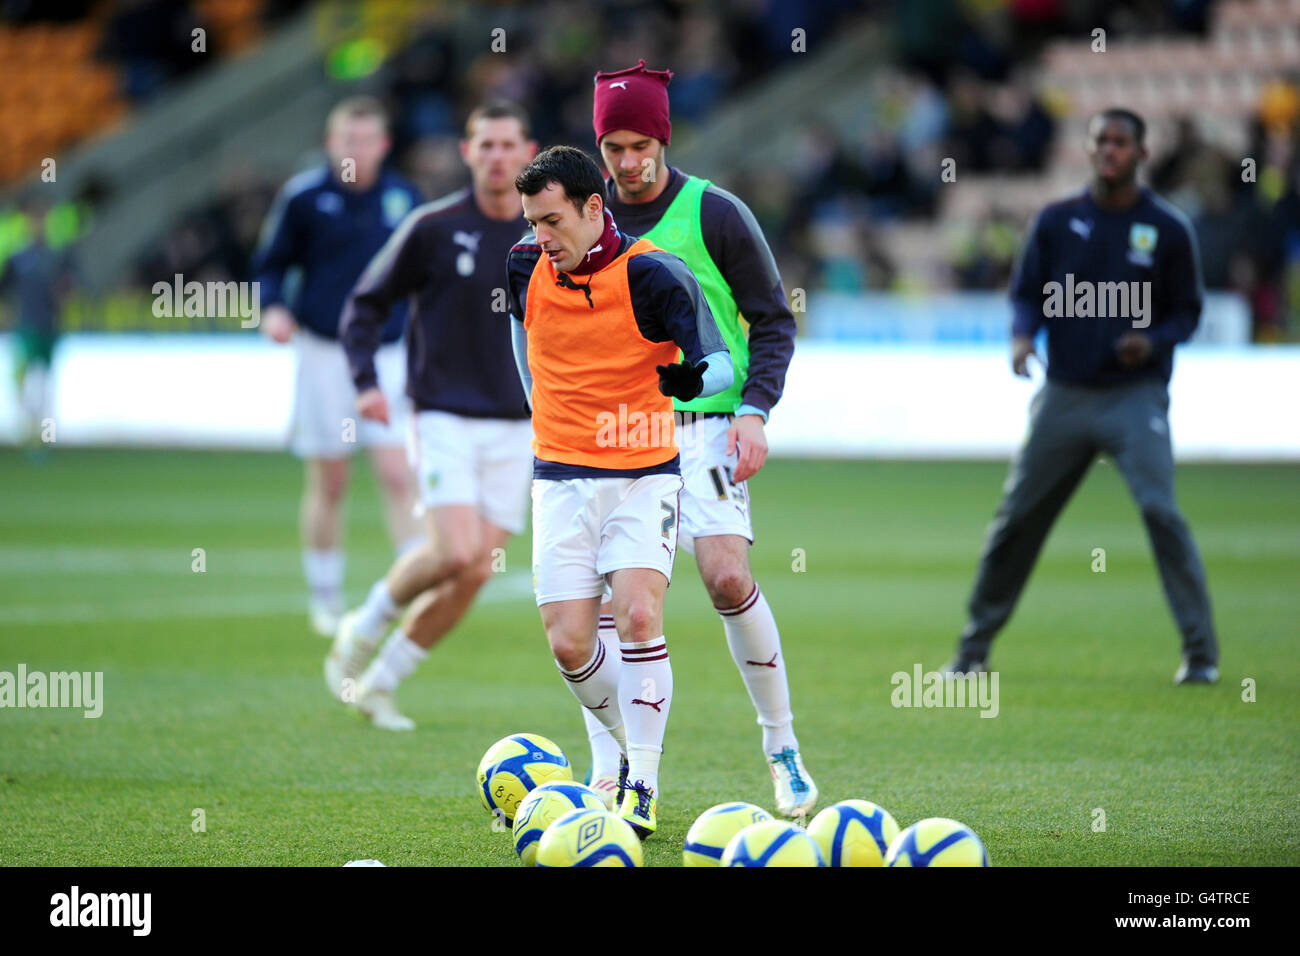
{"x": 683, "y": 381}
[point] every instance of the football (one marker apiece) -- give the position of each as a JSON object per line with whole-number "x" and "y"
{"x": 772, "y": 843}
{"x": 854, "y": 833}
{"x": 589, "y": 838}
{"x": 937, "y": 841}
{"x": 542, "y": 807}
{"x": 713, "y": 830}
{"x": 513, "y": 766}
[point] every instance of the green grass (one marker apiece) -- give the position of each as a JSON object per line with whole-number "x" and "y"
{"x": 214, "y": 699}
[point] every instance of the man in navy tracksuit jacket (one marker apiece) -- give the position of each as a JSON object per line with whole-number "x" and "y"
{"x": 326, "y": 224}
{"x": 1113, "y": 276}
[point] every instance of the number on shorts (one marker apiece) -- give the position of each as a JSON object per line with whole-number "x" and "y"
{"x": 716, "y": 474}
{"x": 670, "y": 518}
{"x": 721, "y": 483}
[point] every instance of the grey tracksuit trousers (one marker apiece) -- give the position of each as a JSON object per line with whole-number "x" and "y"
{"x": 1069, "y": 425}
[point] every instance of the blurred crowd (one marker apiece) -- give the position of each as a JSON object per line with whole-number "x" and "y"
{"x": 553, "y": 49}
{"x": 822, "y": 217}
{"x": 963, "y": 88}
{"x": 152, "y": 41}
{"x": 1246, "y": 213}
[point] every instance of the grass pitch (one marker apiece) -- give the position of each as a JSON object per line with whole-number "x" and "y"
{"x": 215, "y": 711}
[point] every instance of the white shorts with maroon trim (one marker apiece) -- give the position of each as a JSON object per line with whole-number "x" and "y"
{"x": 712, "y": 503}
{"x": 586, "y": 528}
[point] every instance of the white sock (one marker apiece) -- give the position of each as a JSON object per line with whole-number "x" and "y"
{"x": 324, "y": 569}
{"x": 377, "y": 613}
{"x": 605, "y": 752}
{"x": 755, "y": 646}
{"x": 396, "y": 661}
{"x": 645, "y": 689}
{"x": 32, "y": 393}
{"x": 596, "y": 685}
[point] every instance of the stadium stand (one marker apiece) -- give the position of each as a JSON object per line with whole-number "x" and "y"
{"x": 840, "y": 164}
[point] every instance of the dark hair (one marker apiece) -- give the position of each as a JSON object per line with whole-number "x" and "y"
{"x": 571, "y": 168}
{"x": 498, "y": 109}
{"x": 1128, "y": 116}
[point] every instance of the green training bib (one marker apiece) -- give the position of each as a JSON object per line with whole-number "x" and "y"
{"x": 678, "y": 232}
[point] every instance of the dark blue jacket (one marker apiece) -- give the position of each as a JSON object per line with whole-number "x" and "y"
{"x": 330, "y": 232}
{"x": 1075, "y": 254}
{"x": 446, "y": 259}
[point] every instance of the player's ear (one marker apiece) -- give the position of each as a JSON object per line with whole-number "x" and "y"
{"x": 530, "y": 148}
{"x": 464, "y": 150}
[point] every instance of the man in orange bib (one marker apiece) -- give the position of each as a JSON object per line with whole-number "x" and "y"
{"x": 599, "y": 320}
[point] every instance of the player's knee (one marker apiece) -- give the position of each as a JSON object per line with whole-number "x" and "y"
{"x": 329, "y": 486}
{"x": 477, "y": 574}
{"x": 455, "y": 560}
{"x": 397, "y": 482}
{"x": 729, "y": 585}
{"x": 639, "y": 621}
{"x": 572, "y": 651}
{"x": 331, "y": 494}
{"x": 436, "y": 564}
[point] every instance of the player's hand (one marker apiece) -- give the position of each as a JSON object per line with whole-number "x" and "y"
{"x": 1022, "y": 346}
{"x": 747, "y": 433}
{"x": 372, "y": 404}
{"x": 1133, "y": 349}
{"x": 278, "y": 324}
{"x": 683, "y": 381}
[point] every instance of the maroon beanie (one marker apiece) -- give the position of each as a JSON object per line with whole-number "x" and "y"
{"x": 635, "y": 99}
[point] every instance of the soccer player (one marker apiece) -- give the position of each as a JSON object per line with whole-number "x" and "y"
{"x": 601, "y": 320}
{"x": 470, "y": 445}
{"x": 722, "y": 438}
{"x": 1106, "y": 389}
{"x": 327, "y": 223}
{"x": 40, "y": 277}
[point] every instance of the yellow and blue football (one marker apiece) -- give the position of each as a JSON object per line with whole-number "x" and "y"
{"x": 542, "y": 807}
{"x": 772, "y": 843}
{"x": 513, "y": 766}
{"x": 589, "y": 838}
{"x": 854, "y": 833}
{"x": 937, "y": 841}
{"x": 713, "y": 830}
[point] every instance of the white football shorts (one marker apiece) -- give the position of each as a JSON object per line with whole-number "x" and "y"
{"x": 326, "y": 423}
{"x": 586, "y": 528}
{"x": 484, "y": 462}
{"x": 711, "y": 502}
